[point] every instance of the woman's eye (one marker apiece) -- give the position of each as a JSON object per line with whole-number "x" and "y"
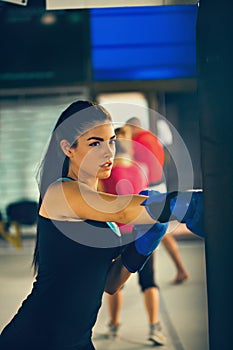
{"x": 112, "y": 142}
{"x": 94, "y": 144}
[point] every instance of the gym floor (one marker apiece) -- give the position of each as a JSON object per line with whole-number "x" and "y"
{"x": 183, "y": 308}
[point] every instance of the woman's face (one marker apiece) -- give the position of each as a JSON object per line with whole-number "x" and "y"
{"x": 94, "y": 155}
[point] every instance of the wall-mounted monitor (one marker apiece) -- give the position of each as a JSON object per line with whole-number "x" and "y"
{"x": 143, "y": 43}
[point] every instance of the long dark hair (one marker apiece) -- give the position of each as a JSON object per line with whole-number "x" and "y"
{"x": 73, "y": 122}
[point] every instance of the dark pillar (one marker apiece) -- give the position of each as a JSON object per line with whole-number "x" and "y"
{"x": 215, "y": 94}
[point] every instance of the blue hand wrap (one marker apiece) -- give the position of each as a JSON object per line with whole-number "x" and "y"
{"x": 158, "y": 205}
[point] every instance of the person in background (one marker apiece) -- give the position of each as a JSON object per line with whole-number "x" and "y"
{"x": 148, "y": 149}
{"x": 130, "y": 177}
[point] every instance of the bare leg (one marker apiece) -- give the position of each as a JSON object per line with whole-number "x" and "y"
{"x": 172, "y": 248}
{"x": 151, "y": 299}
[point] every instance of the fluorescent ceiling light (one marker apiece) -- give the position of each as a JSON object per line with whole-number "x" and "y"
{"x": 74, "y": 4}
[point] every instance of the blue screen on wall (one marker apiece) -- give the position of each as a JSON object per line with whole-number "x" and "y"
{"x": 143, "y": 43}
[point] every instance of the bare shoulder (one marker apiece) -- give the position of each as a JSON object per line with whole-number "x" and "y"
{"x": 56, "y": 202}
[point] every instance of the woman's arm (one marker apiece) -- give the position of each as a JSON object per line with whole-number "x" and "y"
{"x": 72, "y": 200}
{"x": 117, "y": 276}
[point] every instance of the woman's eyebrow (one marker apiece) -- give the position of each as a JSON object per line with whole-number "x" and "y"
{"x": 99, "y": 138}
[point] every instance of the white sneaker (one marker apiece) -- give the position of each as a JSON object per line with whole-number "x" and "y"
{"x": 155, "y": 335}
{"x": 112, "y": 331}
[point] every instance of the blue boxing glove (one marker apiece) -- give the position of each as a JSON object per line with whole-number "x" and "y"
{"x": 194, "y": 215}
{"x": 186, "y": 207}
{"x": 148, "y": 237}
{"x": 146, "y": 241}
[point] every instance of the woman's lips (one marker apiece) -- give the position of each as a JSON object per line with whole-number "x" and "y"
{"x": 106, "y": 165}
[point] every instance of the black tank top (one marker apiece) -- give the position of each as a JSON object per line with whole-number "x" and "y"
{"x": 66, "y": 296}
